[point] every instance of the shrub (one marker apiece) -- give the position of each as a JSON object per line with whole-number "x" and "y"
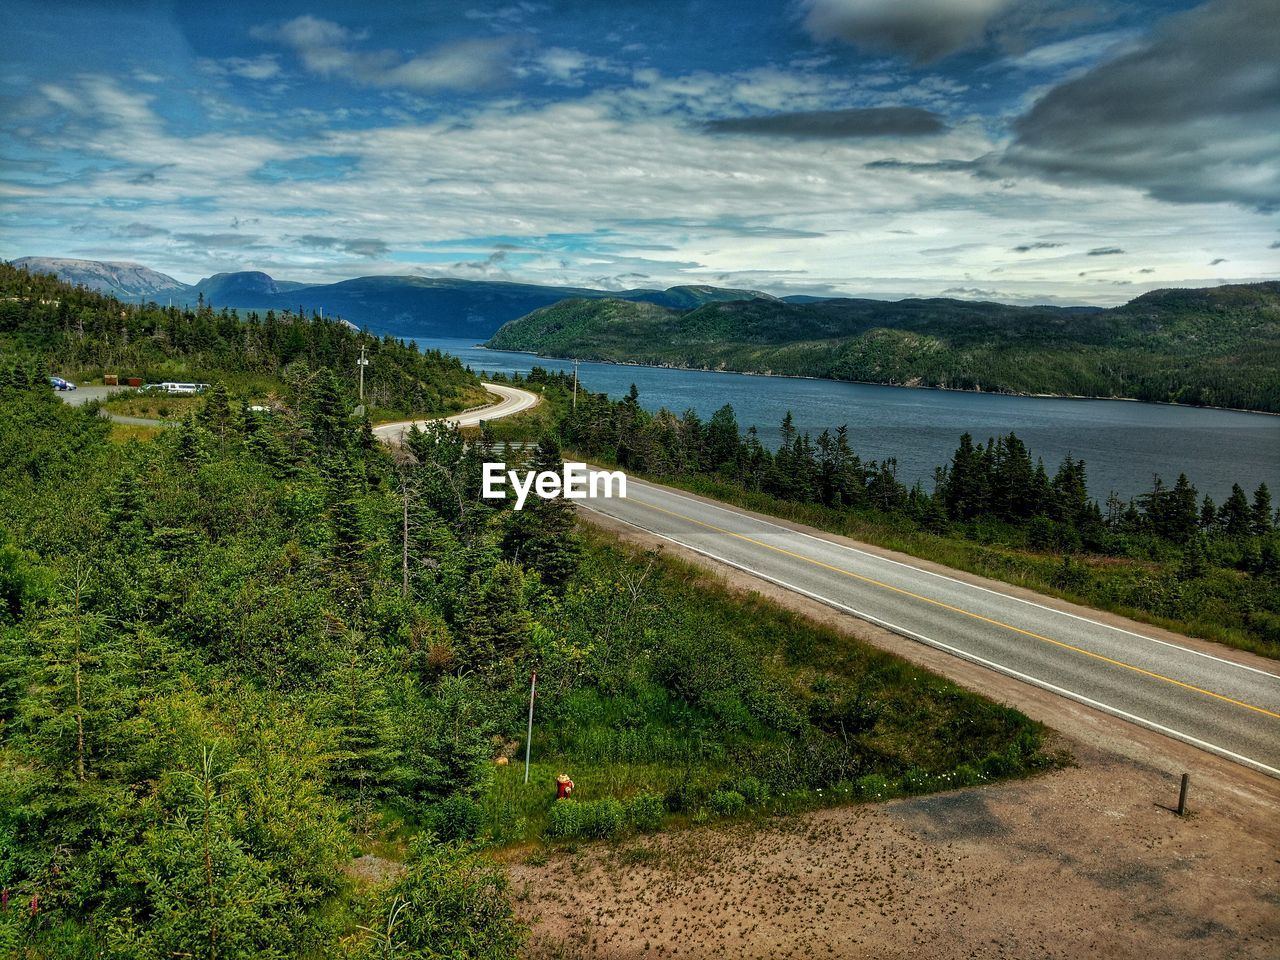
{"x": 917, "y": 781}
{"x": 563, "y": 819}
{"x": 601, "y": 819}
{"x": 727, "y": 803}
{"x": 645, "y": 812}
{"x": 586, "y": 819}
{"x": 452, "y": 902}
{"x": 753, "y": 790}
{"x": 874, "y": 787}
{"x": 455, "y": 818}
{"x": 685, "y": 796}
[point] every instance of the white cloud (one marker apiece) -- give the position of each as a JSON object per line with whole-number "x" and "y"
{"x": 264, "y": 67}
{"x": 328, "y": 49}
{"x": 628, "y": 164}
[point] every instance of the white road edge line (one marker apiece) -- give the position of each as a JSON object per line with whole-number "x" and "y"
{"x": 963, "y": 583}
{"x": 974, "y": 658}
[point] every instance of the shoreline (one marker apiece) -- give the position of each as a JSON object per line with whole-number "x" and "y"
{"x": 874, "y": 383}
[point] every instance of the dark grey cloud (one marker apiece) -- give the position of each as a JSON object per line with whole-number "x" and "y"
{"x": 1104, "y": 251}
{"x": 927, "y": 166}
{"x": 359, "y": 246}
{"x": 1192, "y": 116}
{"x": 836, "y": 124}
{"x": 140, "y": 230}
{"x": 1217, "y": 260}
{"x": 1275, "y": 245}
{"x": 1038, "y": 245}
{"x": 973, "y": 292}
{"x": 149, "y": 176}
{"x": 1147, "y": 270}
{"x": 226, "y": 241}
{"x": 924, "y": 30}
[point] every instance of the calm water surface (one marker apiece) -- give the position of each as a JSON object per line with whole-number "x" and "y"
{"x": 1123, "y": 443}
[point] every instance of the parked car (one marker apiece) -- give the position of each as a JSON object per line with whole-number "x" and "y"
{"x": 59, "y": 384}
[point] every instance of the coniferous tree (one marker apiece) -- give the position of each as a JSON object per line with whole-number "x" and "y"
{"x": 1235, "y": 517}
{"x": 496, "y": 619}
{"x": 1261, "y": 518}
{"x": 541, "y": 536}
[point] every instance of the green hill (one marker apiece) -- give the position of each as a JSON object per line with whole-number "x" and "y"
{"x": 1212, "y": 347}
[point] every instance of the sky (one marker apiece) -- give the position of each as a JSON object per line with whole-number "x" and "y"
{"x": 1042, "y": 151}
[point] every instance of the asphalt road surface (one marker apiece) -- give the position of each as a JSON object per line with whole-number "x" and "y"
{"x": 512, "y": 400}
{"x": 1212, "y": 702}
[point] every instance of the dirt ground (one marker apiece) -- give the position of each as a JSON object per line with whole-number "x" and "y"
{"x": 1087, "y": 861}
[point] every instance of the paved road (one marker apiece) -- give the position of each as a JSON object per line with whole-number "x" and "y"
{"x": 512, "y": 400}
{"x": 1212, "y": 702}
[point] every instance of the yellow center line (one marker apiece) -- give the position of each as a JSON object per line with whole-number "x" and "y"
{"x": 967, "y": 613}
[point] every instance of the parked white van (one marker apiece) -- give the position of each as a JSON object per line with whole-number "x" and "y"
{"x": 183, "y": 389}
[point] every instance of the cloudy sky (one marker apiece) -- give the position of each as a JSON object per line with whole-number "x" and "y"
{"x": 1047, "y": 150}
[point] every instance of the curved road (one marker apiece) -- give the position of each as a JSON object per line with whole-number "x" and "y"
{"x": 1218, "y": 703}
{"x": 512, "y": 400}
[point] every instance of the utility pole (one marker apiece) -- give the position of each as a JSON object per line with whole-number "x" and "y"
{"x": 362, "y": 363}
{"x": 528, "y": 740}
{"x": 575, "y": 384}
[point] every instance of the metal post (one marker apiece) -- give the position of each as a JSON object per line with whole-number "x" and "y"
{"x": 528, "y": 740}
{"x": 1182, "y": 795}
{"x": 364, "y": 362}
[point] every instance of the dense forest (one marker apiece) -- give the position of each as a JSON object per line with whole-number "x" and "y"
{"x": 260, "y": 677}
{"x": 1210, "y": 347}
{"x": 1171, "y": 554}
{"x": 77, "y": 332}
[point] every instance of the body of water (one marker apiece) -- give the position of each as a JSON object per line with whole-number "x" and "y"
{"x": 1123, "y": 443}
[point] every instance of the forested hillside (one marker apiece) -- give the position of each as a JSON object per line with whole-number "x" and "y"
{"x": 256, "y": 675}
{"x": 1216, "y": 347}
{"x": 77, "y": 332}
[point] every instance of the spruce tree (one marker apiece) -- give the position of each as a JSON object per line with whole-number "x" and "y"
{"x": 1235, "y": 517}
{"x": 541, "y": 536}
{"x": 1261, "y": 517}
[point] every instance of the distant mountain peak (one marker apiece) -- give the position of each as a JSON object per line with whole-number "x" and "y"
{"x": 128, "y": 281}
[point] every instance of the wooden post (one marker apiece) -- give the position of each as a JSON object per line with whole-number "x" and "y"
{"x": 1182, "y": 795}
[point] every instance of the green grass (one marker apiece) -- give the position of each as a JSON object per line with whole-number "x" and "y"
{"x": 759, "y": 732}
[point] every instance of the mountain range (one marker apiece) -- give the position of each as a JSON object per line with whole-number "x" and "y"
{"x": 406, "y": 306}
{"x": 1218, "y": 346}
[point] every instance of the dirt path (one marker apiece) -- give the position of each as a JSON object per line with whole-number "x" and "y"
{"x": 1083, "y": 862}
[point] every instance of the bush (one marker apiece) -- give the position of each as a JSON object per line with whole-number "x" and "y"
{"x": 917, "y": 781}
{"x": 586, "y": 819}
{"x": 451, "y": 903}
{"x": 753, "y": 790}
{"x": 685, "y": 796}
{"x": 562, "y": 821}
{"x": 455, "y": 818}
{"x": 874, "y": 787}
{"x": 645, "y": 812}
{"x": 727, "y": 803}
{"x": 601, "y": 819}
